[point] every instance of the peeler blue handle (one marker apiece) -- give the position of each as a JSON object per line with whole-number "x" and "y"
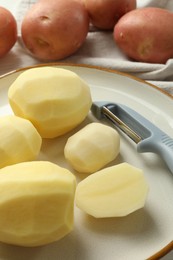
{"x": 158, "y": 141}
{"x": 161, "y": 144}
{"x": 150, "y": 138}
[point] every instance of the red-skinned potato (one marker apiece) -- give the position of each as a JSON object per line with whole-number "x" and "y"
{"x": 55, "y": 29}
{"x": 8, "y": 31}
{"x": 146, "y": 34}
{"x": 104, "y": 14}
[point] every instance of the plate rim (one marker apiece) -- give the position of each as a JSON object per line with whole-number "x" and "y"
{"x": 101, "y": 68}
{"x": 166, "y": 249}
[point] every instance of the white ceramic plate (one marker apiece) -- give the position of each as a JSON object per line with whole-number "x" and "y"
{"x": 147, "y": 233}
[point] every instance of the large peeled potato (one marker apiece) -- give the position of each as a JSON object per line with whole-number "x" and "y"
{"x": 104, "y": 14}
{"x": 112, "y": 192}
{"x": 55, "y": 100}
{"x": 36, "y": 203}
{"x": 146, "y": 34}
{"x": 55, "y": 29}
{"x": 20, "y": 141}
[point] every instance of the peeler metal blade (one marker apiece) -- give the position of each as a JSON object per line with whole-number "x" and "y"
{"x": 147, "y": 136}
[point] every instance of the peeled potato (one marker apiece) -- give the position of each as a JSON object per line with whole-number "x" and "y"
{"x": 92, "y": 147}
{"x": 55, "y": 100}
{"x": 112, "y": 192}
{"x": 36, "y": 203}
{"x": 20, "y": 141}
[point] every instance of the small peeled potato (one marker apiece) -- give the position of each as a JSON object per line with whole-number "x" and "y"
{"x": 20, "y": 141}
{"x": 92, "y": 147}
{"x": 112, "y": 192}
{"x": 36, "y": 203}
{"x": 55, "y": 100}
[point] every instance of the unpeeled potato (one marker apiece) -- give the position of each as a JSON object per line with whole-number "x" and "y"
{"x": 8, "y": 31}
{"x": 105, "y": 13}
{"x": 55, "y": 29}
{"x": 146, "y": 34}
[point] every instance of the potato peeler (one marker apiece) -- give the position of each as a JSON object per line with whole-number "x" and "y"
{"x": 147, "y": 136}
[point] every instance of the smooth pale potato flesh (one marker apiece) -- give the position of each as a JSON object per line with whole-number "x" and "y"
{"x": 92, "y": 147}
{"x": 53, "y": 30}
{"x": 55, "y": 100}
{"x": 104, "y": 14}
{"x": 20, "y": 141}
{"x": 8, "y": 31}
{"x": 146, "y": 34}
{"x": 112, "y": 192}
{"x": 36, "y": 203}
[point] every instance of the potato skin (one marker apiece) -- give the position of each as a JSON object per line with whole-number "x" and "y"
{"x": 146, "y": 34}
{"x": 55, "y": 29}
{"x": 8, "y": 31}
{"x": 104, "y": 14}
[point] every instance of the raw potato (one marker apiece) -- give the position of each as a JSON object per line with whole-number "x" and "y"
{"x": 36, "y": 203}
{"x": 55, "y": 29}
{"x": 146, "y": 34}
{"x": 20, "y": 141}
{"x": 55, "y": 100}
{"x": 8, "y": 31}
{"x": 112, "y": 192}
{"x": 104, "y": 14}
{"x": 92, "y": 147}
